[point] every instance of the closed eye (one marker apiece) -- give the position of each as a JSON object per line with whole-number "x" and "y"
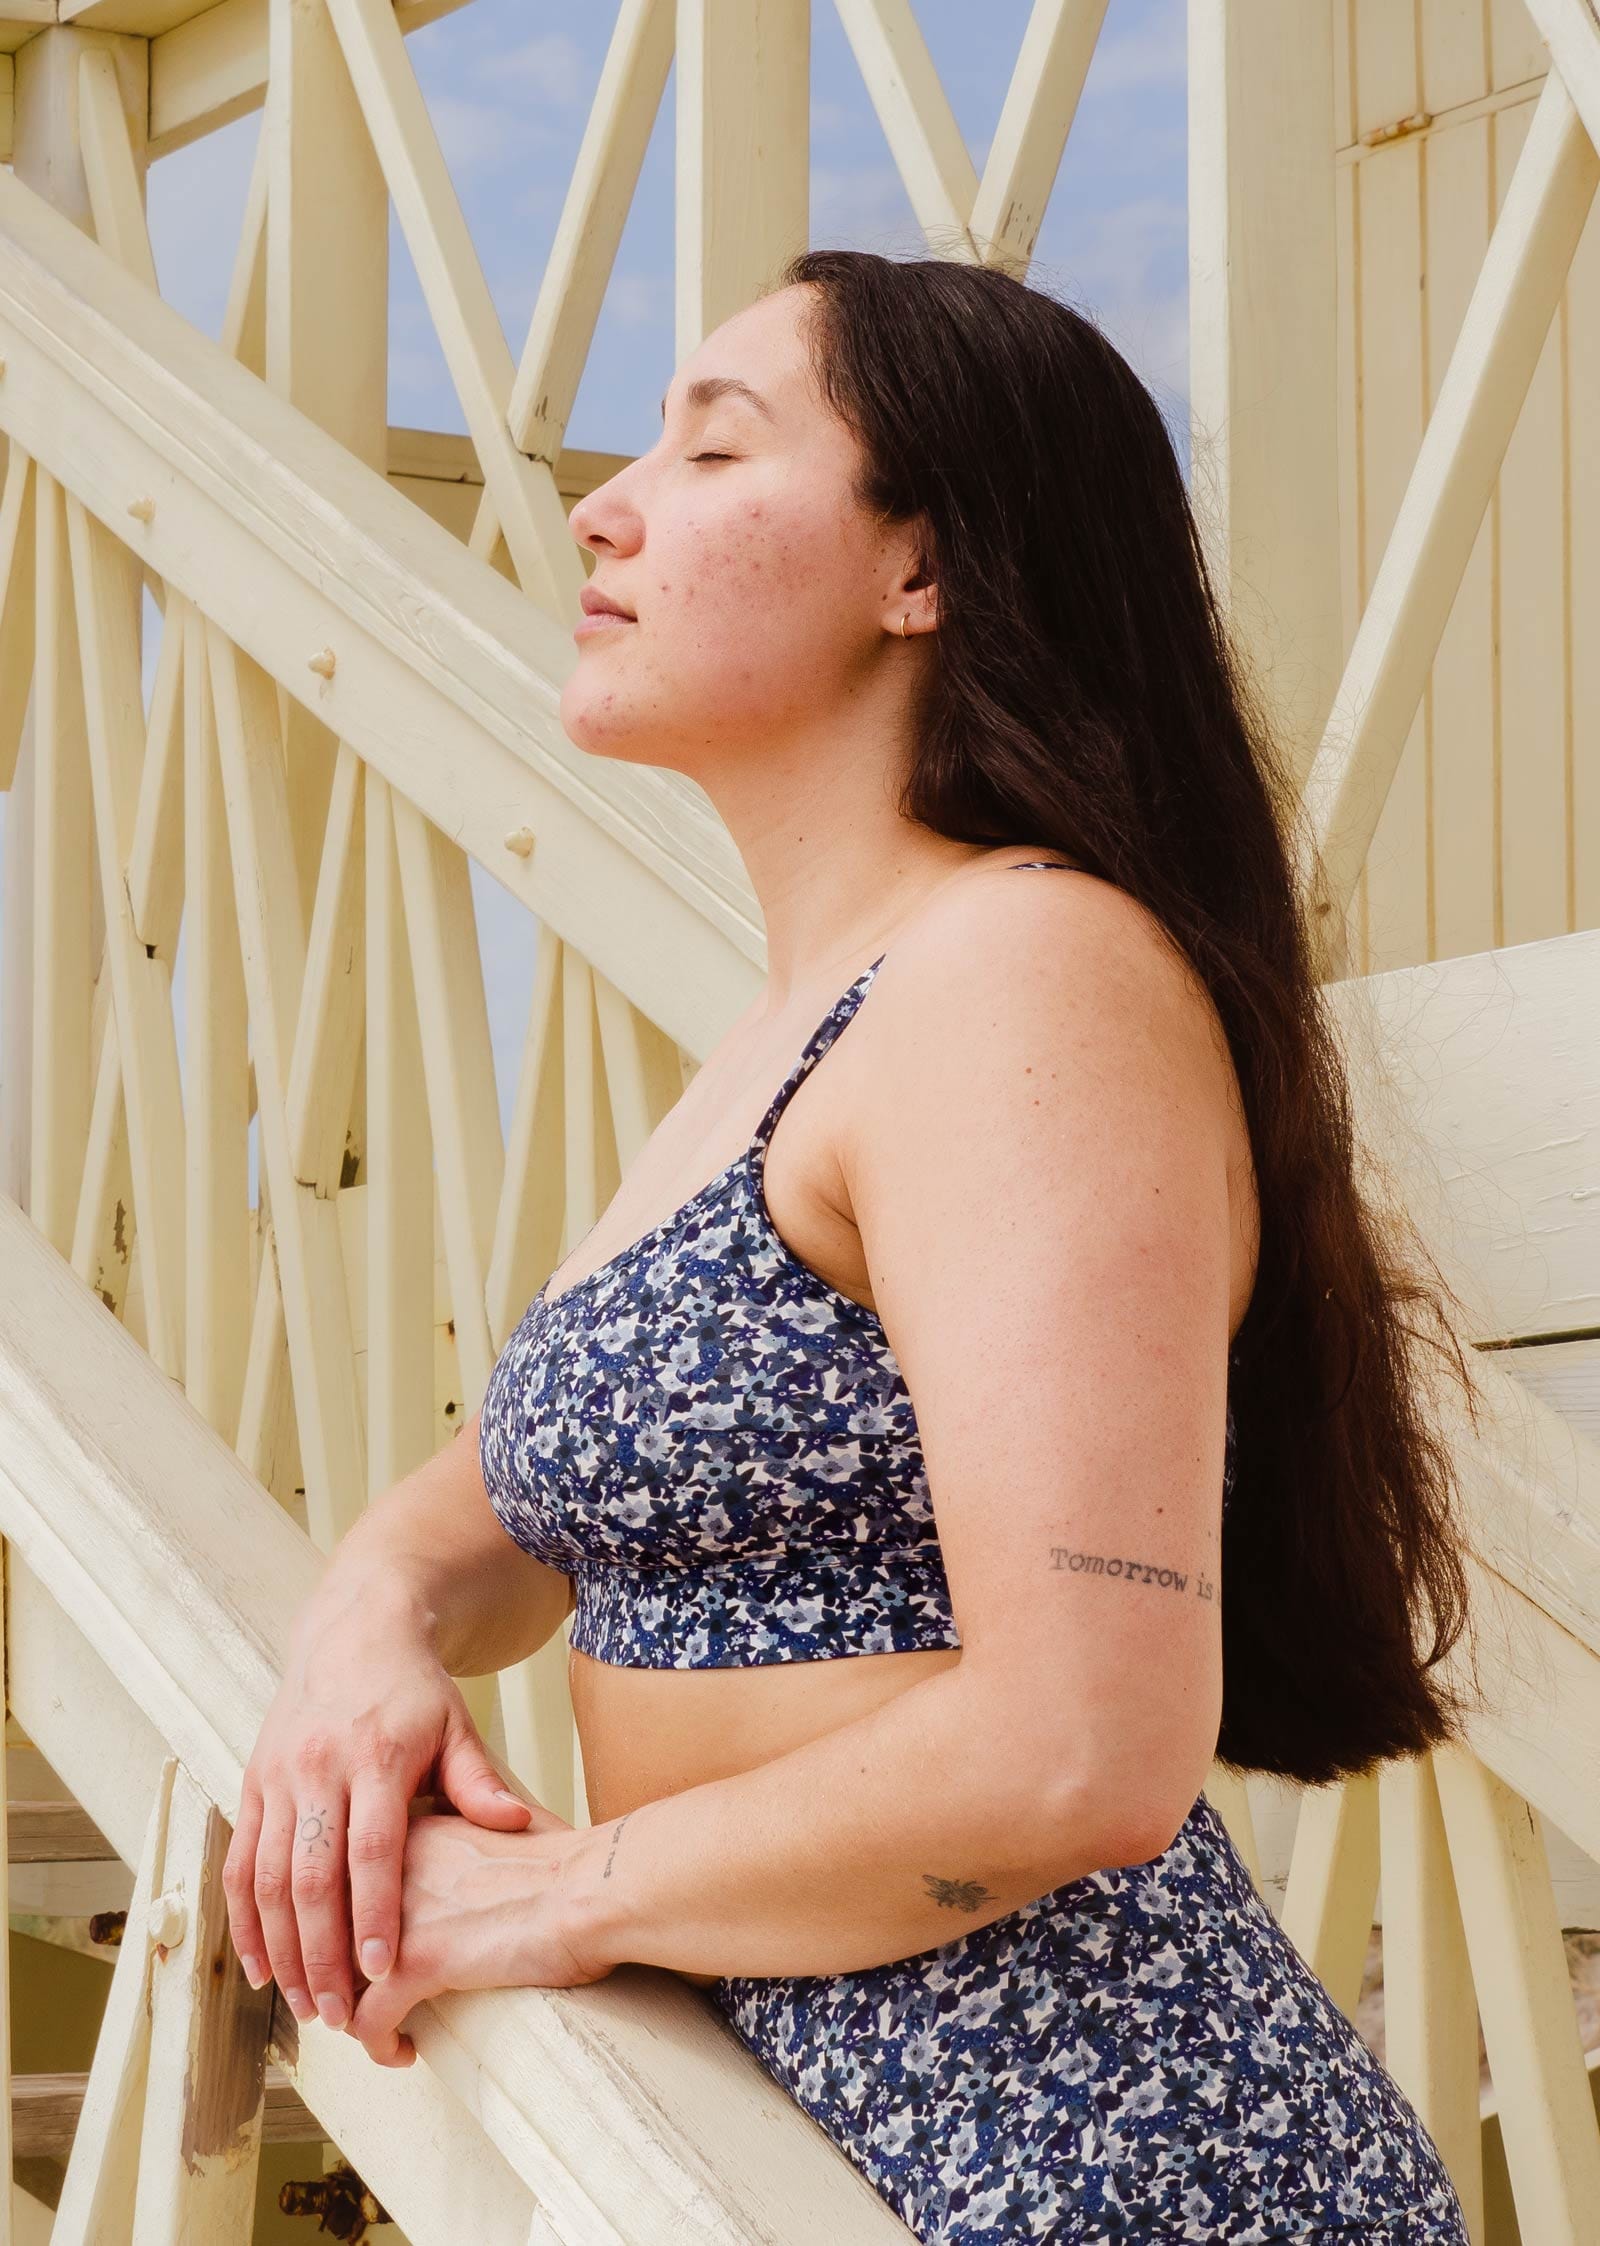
{"x": 711, "y": 456}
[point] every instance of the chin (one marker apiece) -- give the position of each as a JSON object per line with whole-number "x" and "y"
{"x": 601, "y": 731}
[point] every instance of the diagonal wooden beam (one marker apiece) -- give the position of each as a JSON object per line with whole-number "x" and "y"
{"x": 599, "y": 197}
{"x": 994, "y": 220}
{"x": 1570, "y": 30}
{"x": 111, "y": 167}
{"x": 1035, "y": 121}
{"x": 96, "y": 2204}
{"x": 63, "y": 1009}
{"x": 523, "y": 491}
{"x": 918, "y": 122}
{"x": 1497, "y": 349}
{"x": 104, "y": 577}
{"x": 447, "y": 678}
{"x": 16, "y": 605}
{"x": 1530, "y": 2029}
{"x": 306, "y": 1222}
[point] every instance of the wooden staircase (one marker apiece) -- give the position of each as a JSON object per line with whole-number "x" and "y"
{"x": 361, "y": 638}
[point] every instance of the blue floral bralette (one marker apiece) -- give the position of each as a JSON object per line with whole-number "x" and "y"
{"x": 718, "y": 1445}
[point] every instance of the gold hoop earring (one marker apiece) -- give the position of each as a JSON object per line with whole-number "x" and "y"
{"x": 903, "y": 621}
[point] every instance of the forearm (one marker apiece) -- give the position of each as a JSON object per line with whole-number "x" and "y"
{"x": 431, "y": 1552}
{"x": 894, "y": 1834}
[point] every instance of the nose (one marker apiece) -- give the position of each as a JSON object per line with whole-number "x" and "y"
{"x": 605, "y": 519}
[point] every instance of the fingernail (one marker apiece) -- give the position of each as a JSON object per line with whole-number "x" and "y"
{"x": 374, "y": 1958}
{"x": 300, "y": 2004}
{"x": 503, "y": 1793}
{"x": 253, "y": 1971}
{"x": 331, "y": 2006}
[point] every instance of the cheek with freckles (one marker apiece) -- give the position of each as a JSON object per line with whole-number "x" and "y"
{"x": 742, "y": 626}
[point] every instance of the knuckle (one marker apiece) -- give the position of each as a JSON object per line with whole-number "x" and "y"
{"x": 377, "y": 1749}
{"x": 311, "y": 1883}
{"x": 371, "y": 1845}
{"x": 314, "y": 1753}
{"x": 270, "y": 1887}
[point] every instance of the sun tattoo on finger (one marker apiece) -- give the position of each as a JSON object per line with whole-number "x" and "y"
{"x": 313, "y": 1830}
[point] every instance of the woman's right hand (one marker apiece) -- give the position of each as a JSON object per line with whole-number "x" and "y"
{"x": 366, "y": 1720}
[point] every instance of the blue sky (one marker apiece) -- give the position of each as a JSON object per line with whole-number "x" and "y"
{"x": 509, "y": 88}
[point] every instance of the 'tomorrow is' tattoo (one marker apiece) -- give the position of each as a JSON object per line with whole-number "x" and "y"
{"x": 1066, "y": 1561}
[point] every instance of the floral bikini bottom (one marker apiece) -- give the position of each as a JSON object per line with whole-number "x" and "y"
{"x": 1141, "y": 2055}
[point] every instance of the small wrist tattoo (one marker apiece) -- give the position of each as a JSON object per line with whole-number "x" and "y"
{"x": 616, "y": 1836}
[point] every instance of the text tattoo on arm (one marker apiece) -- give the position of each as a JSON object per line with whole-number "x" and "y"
{"x": 1066, "y": 1561}
{"x": 616, "y": 1836}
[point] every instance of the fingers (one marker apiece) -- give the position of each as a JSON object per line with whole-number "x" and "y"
{"x": 317, "y": 1884}
{"x": 239, "y": 1886}
{"x": 275, "y": 1901}
{"x": 376, "y": 1848}
{"x": 472, "y": 1785}
{"x": 376, "y": 2021}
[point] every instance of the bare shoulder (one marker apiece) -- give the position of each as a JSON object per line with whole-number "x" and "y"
{"x": 1053, "y": 966}
{"x": 1045, "y": 1057}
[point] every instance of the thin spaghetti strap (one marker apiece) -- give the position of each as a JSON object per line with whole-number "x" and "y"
{"x": 834, "y": 1020}
{"x": 838, "y": 1014}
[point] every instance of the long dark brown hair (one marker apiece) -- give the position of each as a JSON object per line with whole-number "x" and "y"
{"x": 1082, "y": 692}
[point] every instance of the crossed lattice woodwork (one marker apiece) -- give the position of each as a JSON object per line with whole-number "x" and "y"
{"x": 310, "y": 836}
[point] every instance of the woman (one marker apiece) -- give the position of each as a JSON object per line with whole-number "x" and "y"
{"x": 910, "y": 585}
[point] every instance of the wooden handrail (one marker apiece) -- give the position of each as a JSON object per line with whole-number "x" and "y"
{"x": 627, "y": 2106}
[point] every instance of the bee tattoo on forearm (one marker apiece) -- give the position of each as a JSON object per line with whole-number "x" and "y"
{"x": 957, "y": 1894}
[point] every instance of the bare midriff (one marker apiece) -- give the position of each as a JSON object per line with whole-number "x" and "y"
{"x": 649, "y": 1732}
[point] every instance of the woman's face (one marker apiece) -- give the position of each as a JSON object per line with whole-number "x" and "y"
{"x": 760, "y": 589}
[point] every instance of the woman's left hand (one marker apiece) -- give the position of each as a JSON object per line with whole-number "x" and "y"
{"x": 479, "y": 1909}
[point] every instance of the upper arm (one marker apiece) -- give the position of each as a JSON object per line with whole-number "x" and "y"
{"x": 1041, "y": 1182}
{"x": 507, "y": 1602}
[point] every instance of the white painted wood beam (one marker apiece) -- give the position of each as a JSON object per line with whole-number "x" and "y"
{"x": 1480, "y": 398}
{"x": 626, "y": 2107}
{"x": 447, "y": 678}
{"x": 212, "y": 66}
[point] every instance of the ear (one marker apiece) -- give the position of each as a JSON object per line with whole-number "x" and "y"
{"x": 913, "y": 596}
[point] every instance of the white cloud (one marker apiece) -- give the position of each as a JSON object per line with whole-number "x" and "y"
{"x": 196, "y": 199}
{"x": 470, "y": 132}
{"x": 1153, "y": 55}
{"x": 1127, "y": 266}
{"x": 639, "y": 300}
{"x": 863, "y": 205}
{"x": 1119, "y": 249}
{"x": 830, "y": 118}
{"x": 551, "y": 64}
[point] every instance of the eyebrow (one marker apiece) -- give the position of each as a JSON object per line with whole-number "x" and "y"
{"x": 709, "y": 387}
